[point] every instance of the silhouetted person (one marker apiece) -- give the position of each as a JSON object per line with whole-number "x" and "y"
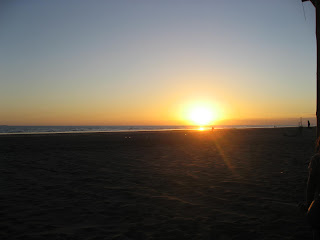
{"x": 308, "y": 124}
{"x": 313, "y": 191}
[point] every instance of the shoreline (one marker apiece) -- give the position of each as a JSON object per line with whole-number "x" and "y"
{"x": 153, "y": 130}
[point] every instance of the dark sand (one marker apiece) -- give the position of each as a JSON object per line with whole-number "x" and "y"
{"x": 229, "y": 184}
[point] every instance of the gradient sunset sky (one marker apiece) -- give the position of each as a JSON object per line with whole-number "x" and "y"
{"x": 135, "y": 62}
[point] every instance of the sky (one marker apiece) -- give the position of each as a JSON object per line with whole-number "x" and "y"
{"x": 148, "y": 62}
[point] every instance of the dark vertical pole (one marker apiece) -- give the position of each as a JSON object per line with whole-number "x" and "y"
{"x": 317, "y": 6}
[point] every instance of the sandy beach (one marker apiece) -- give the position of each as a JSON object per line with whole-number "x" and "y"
{"x": 225, "y": 184}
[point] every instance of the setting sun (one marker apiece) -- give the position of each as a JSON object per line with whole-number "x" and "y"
{"x": 201, "y": 115}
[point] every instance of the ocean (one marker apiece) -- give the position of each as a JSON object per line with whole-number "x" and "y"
{"x": 83, "y": 129}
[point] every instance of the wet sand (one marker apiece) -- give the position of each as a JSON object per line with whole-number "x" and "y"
{"x": 226, "y": 184}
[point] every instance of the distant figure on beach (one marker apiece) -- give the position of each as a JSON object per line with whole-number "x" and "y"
{"x": 308, "y": 124}
{"x": 313, "y": 191}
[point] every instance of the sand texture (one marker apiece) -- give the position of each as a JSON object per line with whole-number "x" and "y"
{"x": 226, "y": 184}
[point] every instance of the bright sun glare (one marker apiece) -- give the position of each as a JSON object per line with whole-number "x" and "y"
{"x": 201, "y": 116}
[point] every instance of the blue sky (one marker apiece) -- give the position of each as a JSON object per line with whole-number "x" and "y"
{"x": 144, "y": 62}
